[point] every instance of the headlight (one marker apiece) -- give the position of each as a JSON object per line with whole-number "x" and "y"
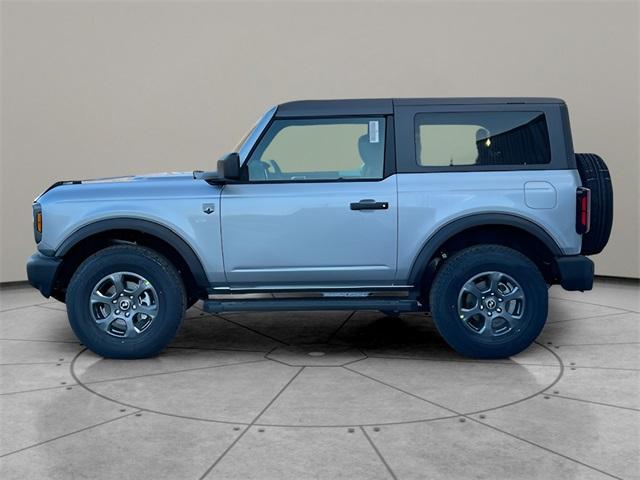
{"x": 37, "y": 222}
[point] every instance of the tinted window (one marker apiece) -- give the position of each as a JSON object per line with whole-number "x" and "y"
{"x": 320, "y": 149}
{"x": 482, "y": 138}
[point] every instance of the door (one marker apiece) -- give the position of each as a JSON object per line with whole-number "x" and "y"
{"x": 315, "y": 207}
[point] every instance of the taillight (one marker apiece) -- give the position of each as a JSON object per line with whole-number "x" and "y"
{"x": 583, "y": 210}
{"x": 37, "y": 222}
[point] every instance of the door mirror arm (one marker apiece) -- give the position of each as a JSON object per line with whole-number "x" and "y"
{"x": 228, "y": 170}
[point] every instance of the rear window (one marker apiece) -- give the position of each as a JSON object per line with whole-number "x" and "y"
{"x": 481, "y": 138}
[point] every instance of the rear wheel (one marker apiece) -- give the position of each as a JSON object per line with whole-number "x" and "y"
{"x": 126, "y": 302}
{"x": 489, "y": 301}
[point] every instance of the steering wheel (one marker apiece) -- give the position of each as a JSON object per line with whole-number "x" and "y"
{"x": 276, "y": 168}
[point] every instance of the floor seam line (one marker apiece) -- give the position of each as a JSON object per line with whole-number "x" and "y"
{"x": 186, "y": 370}
{"x": 247, "y": 427}
{"x": 595, "y": 344}
{"x": 33, "y": 363}
{"x": 592, "y": 402}
{"x": 471, "y": 362}
{"x": 38, "y": 389}
{"x": 50, "y": 308}
{"x": 539, "y": 392}
{"x": 251, "y": 329}
{"x": 553, "y": 322}
{"x": 623, "y": 369}
{"x": 40, "y": 341}
{"x": 277, "y": 396}
{"x": 135, "y": 407}
{"x": 11, "y": 309}
{"x": 596, "y": 304}
{"x": 69, "y": 434}
{"x": 344, "y": 322}
{"x": 403, "y": 391}
{"x": 213, "y": 349}
{"x": 375, "y": 449}
{"x": 530, "y": 442}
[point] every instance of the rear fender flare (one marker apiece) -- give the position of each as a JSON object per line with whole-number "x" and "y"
{"x": 444, "y": 233}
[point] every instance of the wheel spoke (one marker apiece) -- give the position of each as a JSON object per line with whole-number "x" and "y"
{"x": 97, "y": 297}
{"x": 467, "y": 313}
{"x": 131, "y": 329}
{"x": 494, "y": 281}
{"x": 151, "y": 310}
{"x": 118, "y": 282}
{"x": 487, "y": 328}
{"x": 514, "y": 321}
{"x": 103, "y": 323}
{"x": 515, "y": 294}
{"x": 472, "y": 288}
{"x": 142, "y": 286}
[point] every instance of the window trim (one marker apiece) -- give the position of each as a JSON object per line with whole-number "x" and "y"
{"x": 406, "y": 150}
{"x": 388, "y": 168}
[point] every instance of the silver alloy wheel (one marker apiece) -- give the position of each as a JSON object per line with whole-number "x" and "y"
{"x": 123, "y": 304}
{"x": 491, "y": 304}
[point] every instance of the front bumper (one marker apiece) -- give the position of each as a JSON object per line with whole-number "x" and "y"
{"x": 575, "y": 272}
{"x": 42, "y": 272}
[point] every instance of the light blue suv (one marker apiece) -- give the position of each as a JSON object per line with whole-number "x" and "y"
{"x": 465, "y": 208}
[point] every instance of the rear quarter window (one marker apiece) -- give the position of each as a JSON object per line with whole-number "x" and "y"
{"x": 467, "y": 139}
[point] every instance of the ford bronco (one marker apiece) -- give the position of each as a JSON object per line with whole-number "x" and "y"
{"x": 465, "y": 208}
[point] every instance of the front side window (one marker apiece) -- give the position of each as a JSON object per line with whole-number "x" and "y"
{"x": 320, "y": 149}
{"x": 481, "y": 138}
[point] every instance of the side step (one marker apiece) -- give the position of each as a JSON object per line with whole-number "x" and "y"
{"x": 290, "y": 304}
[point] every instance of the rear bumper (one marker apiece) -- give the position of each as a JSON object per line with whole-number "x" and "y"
{"x": 42, "y": 272}
{"x": 575, "y": 272}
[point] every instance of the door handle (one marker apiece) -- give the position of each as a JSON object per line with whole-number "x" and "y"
{"x": 369, "y": 204}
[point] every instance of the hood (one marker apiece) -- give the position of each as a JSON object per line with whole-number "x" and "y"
{"x": 133, "y": 178}
{"x": 119, "y": 185}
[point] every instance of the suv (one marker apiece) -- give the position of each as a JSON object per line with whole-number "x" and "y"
{"x": 465, "y": 208}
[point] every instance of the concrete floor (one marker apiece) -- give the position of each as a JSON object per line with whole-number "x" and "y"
{"x": 251, "y": 396}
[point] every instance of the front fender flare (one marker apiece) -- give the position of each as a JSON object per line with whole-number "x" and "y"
{"x": 145, "y": 226}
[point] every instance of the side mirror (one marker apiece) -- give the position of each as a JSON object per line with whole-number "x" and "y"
{"x": 229, "y": 166}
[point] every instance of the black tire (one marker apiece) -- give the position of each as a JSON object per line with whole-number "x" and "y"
{"x": 595, "y": 176}
{"x": 142, "y": 261}
{"x": 472, "y": 262}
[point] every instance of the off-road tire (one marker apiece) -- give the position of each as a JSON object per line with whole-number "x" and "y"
{"x": 472, "y": 261}
{"x": 141, "y": 261}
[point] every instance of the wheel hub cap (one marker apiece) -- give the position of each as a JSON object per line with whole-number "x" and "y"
{"x": 490, "y": 303}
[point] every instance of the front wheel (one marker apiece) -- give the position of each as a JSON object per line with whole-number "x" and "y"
{"x": 126, "y": 302}
{"x": 489, "y": 301}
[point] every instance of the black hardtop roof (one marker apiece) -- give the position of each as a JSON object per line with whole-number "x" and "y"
{"x": 366, "y": 106}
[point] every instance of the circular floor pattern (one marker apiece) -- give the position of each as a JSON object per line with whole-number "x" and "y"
{"x": 315, "y": 370}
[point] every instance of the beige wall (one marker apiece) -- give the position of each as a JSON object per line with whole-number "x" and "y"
{"x": 92, "y": 89}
